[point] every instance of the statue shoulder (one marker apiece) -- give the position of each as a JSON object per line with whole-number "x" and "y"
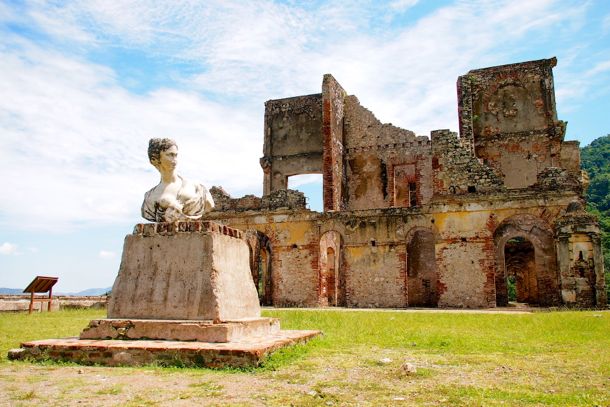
{"x": 204, "y": 195}
{"x": 187, "y": 183}
{"x": 148, "y": 193}
{"x": 148, "y": 206}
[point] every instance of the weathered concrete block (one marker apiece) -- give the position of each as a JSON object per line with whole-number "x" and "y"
{"x": 23, "y": 305}
{"x": 203, "y": 275}
{"x": 176, "y": 330}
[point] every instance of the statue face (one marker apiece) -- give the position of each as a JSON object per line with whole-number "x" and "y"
{"x": 168, "y": 159}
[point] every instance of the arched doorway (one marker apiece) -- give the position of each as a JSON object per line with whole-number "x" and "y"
{"x": 331, "y": 282}
{"x": 422, "y": 279}
{"x": 264, "y": 285}
{"x": 260, "y": 265}
{"x": 526, "y": 263}
{"x": 520, "y": 263}
{"x": 331, "y": 277}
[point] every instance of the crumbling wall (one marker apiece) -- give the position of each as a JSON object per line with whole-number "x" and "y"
{"x": 284, "y": 199}
{"x": 417, "y": 221}
{"x": 456, "y": 170}
{"x": 374, "y": 249}
{"x": 382, "y": 161}
{"x": 521, "y": 158}
{"x": 582, "y": 270}
{"x": 281, "y": 199}
{"x": 293, "y": 140}
{"x": 376, "y": 275}
{"x": 465, "y": 255}
{"x": 375, "y": 257}
{"x": 570, "y": 156}
{"x": 224, "y": 202}
{"x": 463, "y": 282}
{"x": 558, "y": 179}
{"x": 333, "y": 96}
{"x": 291, "y": 288}
{"x": 581, "y": 263}
{"x": 507, "y": 115}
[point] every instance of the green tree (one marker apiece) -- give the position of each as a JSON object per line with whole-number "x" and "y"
{"x": 599, "y": 192}
{"x": 595, "y": 159}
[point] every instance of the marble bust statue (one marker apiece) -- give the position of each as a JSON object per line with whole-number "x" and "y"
{"x": 174, "y": 198}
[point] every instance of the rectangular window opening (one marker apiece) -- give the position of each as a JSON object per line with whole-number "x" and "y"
{"x": 311, "y": 186}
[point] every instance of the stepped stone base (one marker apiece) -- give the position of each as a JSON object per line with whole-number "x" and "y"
{"x": 248, "y": 352}
{"x": 184, "y": 296}
{"x": 181, "y": 330}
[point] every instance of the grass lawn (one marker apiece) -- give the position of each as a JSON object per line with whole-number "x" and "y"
{"x": 545, "y": 358}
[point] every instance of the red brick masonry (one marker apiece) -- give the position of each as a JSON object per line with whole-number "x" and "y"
{"x": 169, "y": 228}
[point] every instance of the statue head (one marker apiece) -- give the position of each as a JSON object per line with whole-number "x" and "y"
{"x": 184, "y": 200}
{"x": 156, "y": 146}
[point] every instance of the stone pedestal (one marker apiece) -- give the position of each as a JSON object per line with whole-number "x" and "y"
{"x": 184, "y": 292}
{"x": 186, "y": 271}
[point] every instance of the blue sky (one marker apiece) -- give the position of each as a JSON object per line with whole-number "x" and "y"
{"x": 85, "y": 84}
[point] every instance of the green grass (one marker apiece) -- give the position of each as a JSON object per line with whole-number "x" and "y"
{"x": 17, "y": 327}
{"x": 545, "y": 358}
{"x": 457, "y": 333}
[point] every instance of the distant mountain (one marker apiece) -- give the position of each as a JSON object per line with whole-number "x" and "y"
{"x": 87, "y": 292}
{"x": 92, "y": 291}
{"x": 5, "y": 291}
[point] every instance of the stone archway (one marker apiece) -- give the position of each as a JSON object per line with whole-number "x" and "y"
{"x": 525, "y": 252}
{"x": 520, "y": 265}
{"x": 331, "y": 281}
{"x": 260, "y": 265}
{"x": 422, "y": 276}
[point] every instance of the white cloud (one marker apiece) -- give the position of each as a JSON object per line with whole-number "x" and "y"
{"x": 7, "y": 13}
{"x": 77, "y": 138}
{"x": 264, "y": 49}
{"x": 60, "y": 23}
{"x": 296, "y": 181}
{"x": 402, "y": 5}
{"x": 78, "y": 141}
{"x": 106, "y": 254}
{"x": 7, "y": 249}
{"x": 600, "y": 67}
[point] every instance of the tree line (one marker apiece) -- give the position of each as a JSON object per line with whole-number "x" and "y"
{"x": 595, "y": 159}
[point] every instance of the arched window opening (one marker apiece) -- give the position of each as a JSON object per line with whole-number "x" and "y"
{"x": 520, "y": 271}
{"x": 331, "y": 277}
{"x": 332, "y": 283}
{"x": 262, "y": 273}
{"x": 264, "y": 285}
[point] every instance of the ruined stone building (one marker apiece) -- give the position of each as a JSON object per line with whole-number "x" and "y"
{"x": 412, "y": 221}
